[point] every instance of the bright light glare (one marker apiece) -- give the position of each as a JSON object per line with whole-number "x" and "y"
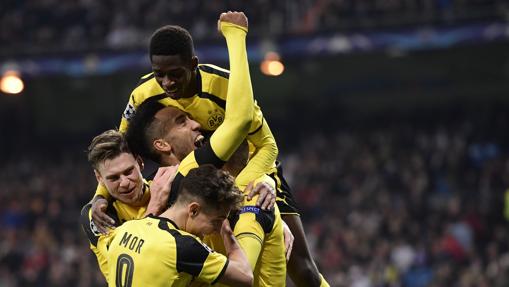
{"x": 11, "y": 83}
{"x": 272, "y": 66}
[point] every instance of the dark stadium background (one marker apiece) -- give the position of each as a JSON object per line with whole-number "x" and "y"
{"x": 391, "y": 118}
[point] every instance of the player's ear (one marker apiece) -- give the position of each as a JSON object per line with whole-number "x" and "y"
{"x": 194, "y": 62}
{"x": 98, "y": 176}
{"x": 140, "y": 162}
{"x": 162, "y": 145}
{"x": 193, "y": 209}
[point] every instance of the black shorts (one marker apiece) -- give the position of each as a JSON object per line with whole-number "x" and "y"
{"x": 284, "y": 197}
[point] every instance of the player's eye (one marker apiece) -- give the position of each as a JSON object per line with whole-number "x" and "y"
{"x": 129, "y": 171}
{"x": 113, "y": 178}
{"x": 175, "y": 74}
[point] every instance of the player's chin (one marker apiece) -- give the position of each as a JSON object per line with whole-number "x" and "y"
{"x": 173, "y": 95}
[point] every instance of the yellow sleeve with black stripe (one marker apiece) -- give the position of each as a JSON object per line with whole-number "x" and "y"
{"x": 193, "y": 256}
{"x": 264, "y": 155}
{"x": 252, "y": 224}
{"x": 98, "y": 242}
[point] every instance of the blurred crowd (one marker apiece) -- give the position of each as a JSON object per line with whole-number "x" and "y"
{"x": 390, "y": 206}
{"x": 51, "y": 25}
{"x": 403, "y": 207}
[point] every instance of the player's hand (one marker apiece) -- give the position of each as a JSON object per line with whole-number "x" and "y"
{"x": 266, "y": 195}
{"x": 160, "y": 189}
{"x": 288, "y": 241}
{"x": 226, "y": 229}
{"x": 101, "y": 220}
{"x": 237, "y": 18}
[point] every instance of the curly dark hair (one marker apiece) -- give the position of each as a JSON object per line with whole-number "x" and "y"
{"x": 213, "y": 186}
{"x": 171, "y": 40}
{"x": 144, "y": 128}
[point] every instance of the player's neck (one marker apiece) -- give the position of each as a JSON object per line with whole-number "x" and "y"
{"x": 177, "y": 215}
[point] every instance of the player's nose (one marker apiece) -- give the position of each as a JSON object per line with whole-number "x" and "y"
{"x": 167, "y": 82}
{"x": 124, "y": 181}
{"x": 195, "y": 125}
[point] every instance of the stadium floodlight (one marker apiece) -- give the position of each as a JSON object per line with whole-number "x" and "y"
{"x": 11, "y": 83}
{"x": 272, "y": 65}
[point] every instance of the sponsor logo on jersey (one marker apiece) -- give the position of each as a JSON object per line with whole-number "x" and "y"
{"x": 215, "y": 119}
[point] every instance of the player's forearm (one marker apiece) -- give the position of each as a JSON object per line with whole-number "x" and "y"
{"x": 264, "y": 157}
{"x": 239, "y": 99}
{"x": 240, "y": 92}
{"x": 237, "y": 256}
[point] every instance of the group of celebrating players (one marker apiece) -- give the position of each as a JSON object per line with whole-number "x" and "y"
{"x": 217, "y": 210}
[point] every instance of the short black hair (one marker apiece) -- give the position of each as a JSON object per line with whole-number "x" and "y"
{"x": 213, "y": 186}
{"x": 143, "y": 129}
{"x": 171, "y": 40}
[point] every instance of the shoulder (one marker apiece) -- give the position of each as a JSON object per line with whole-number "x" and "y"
{"x": 147, "y": 87}
{"x": 265, "y": 218}
{"x": 213, "y": 70}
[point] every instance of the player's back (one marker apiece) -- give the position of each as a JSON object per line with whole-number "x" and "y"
{"x": 153, "y": 252}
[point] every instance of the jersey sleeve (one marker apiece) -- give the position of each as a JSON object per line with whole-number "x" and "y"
{"x": 102, "y": 191}
{"x": 239, "y": 104}
{"x": 197, "y": 259}
{"x": 128, "y": 113}
{"x": 252, "y": 223}
{"x": 264, "y": 157}
{"x": 98, "y": 242}
{"x": 137, "y": 96}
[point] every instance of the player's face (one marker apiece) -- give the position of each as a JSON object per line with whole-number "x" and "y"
{"x": 181, "y": 132}
{"x": 173, "y": 74}
{"x": 206, "y": 222}
{"x": 122, "y": 177}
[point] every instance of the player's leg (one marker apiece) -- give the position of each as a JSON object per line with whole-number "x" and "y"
{"x": 301, "y": 266}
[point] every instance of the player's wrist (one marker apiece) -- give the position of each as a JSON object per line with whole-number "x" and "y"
{"x": 230, "y": 29}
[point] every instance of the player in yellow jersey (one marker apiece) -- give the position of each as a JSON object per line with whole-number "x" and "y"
{"x": 167, "y": 250}
{"x": 162, "y": 133}
{"x": 119, "y": 170}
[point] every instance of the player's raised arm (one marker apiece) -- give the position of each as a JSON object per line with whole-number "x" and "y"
{"x": 240, "y": 102}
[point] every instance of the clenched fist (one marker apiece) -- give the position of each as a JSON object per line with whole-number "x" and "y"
{"x": 237, "y": 18}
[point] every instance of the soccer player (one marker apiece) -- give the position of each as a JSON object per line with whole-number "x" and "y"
{"x": 167, "y": 251}
{"x": 117, "y": 168}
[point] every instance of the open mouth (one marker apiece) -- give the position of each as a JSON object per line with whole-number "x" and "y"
{"x": 172, "y": 91}
{"x": 129, "y": 191}
{"x": 199, "y": 141}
